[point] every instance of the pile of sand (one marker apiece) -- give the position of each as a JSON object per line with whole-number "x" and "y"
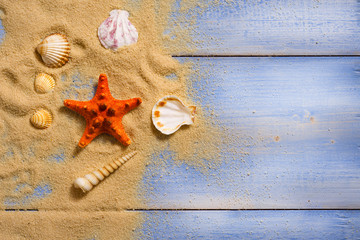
{"x": 38, "y": 167}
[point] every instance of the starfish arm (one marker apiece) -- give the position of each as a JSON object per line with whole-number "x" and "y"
{"x": 117, "y": 130}
{"x": 83, "y": 108}
{"x": 73, "y": 104}
{"x": 87, "y": 137}
{"x": 76, "y": 106}
{"x": 102, "y": 90}
{"x": 129, "y": 104}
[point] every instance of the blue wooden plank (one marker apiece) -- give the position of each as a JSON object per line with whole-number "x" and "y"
{"x": 2, "y": 31}
{"x": 276, "y": 27}
{"x": 251, "y": 225}
{"x": 180, "y": 225}
{"x": 295, "y": 136}
{"x": 39, "y": 192}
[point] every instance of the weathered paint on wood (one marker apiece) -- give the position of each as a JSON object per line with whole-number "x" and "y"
{"x": 294, "y": 124}
{"x": 182, "y": 224}
{"x": 277, "y": 27}
{"x": 297, "y": 120}
{"x": 295, "y": 129}
{"x": 252, "y": 225}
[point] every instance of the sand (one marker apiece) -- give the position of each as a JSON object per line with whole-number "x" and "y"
{"x": 38, "y": 167}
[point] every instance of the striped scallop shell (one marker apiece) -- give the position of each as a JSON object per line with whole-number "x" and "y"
{"x": 41, "y": 119}
{"x": 170, "y": 113}
{"x": 44, "y": 83}
{"x": 54, "y": 50}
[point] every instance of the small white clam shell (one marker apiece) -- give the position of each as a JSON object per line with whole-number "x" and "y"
{"x": 90, "y": 180}
{"x": 41, "y": 119}
{"x": 117, "y": 31}
{"x": 44, "y": 83}
{"x": 54, "y": 50}
{"x": 170, "y": 113}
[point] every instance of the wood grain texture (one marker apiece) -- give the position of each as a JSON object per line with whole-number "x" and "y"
{"x": 181, "y": 225}
{"x": 295, "y": 135}
{"x": 277, "y": 27}
{"x": 294, "y": 124}
{"x": 252, "y": 225}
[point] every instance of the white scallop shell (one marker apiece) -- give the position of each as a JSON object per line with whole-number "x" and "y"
{"x": 170, "y": 113}
{"x": 44, "y": 83}
{"x": 41, "y": 119}
{"x": 117, "y": 31}
{"x": 54, "y": 50}
{"x": 92, "y": 179}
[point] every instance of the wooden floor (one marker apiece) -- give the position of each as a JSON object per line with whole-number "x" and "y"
{"x": 287, "y": 73}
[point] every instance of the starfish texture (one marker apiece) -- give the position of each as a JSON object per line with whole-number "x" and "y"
{"x": 103, "y": 113}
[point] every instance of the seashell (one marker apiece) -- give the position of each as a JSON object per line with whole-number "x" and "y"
{"x": 170, "y": 113}
{"x": 90, "y": 180}
{"x": 117, "y": 31}
{"x": 44, "y": 83}
{"x": 54, "y": 50}
{"x": 41, "y": 119}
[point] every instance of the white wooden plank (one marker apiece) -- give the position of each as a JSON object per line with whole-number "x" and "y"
{"x": 275, "y": 27}
{"x": 298, "y": 120}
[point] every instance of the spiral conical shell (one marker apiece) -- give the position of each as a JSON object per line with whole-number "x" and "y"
{"x": 90, "y": 180}
{"x": 41, "y": 119}
{"x": 44, "y": 83}
{"x": 54, "y": 50}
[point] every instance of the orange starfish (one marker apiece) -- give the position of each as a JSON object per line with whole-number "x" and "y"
{"x": 103, "y": 113}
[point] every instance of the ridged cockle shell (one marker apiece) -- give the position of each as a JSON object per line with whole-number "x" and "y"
{"x": 41, "y": 119}
{"x": 44, "y": 83}
{"x": 170, "y": 113}
{"x": 54, "y": 50}
{"x": 117, "y": 31}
